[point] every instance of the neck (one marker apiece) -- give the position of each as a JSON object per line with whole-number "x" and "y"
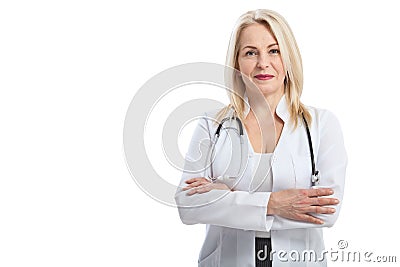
{"x": 273, "y": 101}
{"x": 263, "y": 113}
{"x": 268, "y": 102}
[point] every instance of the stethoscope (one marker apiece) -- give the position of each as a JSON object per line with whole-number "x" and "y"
{"x": 315, "y": 174}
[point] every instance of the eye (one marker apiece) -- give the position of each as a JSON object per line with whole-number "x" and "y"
{"x": 250, "y": 53}
{"x": 274, "y": 51}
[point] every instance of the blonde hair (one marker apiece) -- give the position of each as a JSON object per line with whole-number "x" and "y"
{"x": 291, "y": 58}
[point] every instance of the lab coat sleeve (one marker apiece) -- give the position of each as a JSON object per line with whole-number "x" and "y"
{"x": 234, "y": 209}
{"x": 331, "y": 162}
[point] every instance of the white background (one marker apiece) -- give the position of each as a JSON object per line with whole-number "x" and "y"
{"x": 68, "y": 71}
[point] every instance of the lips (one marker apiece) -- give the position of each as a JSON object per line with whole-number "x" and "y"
{"x": 264, "y": 76}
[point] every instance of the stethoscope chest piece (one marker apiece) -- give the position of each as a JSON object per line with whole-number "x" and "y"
{"x": 315, "y": 178}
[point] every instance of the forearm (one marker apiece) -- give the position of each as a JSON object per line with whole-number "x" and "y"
{"x": 238, "y": 209}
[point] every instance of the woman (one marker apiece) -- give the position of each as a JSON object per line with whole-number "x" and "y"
{"x": 266, "y": 213}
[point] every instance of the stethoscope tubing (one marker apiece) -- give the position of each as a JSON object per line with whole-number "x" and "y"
{"x": 315, "y": 175}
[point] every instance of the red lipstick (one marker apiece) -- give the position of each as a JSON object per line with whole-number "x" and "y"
{"x": 264, "y": 76}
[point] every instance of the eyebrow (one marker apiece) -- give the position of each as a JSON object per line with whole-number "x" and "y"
{"x": 253, "y": 47}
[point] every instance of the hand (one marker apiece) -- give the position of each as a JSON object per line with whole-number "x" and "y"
{"x": 202, "y": 185}
{"x": 296, "y": 204}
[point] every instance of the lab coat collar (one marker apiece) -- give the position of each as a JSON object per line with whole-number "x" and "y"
{"x": 282, "y": 110}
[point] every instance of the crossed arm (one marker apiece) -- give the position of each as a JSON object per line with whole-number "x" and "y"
{"x": 201, "y": 201}
{"x": 294, "y": 204}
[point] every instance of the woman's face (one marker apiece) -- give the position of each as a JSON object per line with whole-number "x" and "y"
{"x": 260, "y": 60}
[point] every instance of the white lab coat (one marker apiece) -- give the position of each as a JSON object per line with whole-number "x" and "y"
{"x": 233, "y": 217}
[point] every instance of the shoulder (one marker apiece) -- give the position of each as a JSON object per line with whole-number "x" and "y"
{"x": 214, "y": 116}
{"x": 209, "y": 120}
{"x": 325, "y": 122}
{"x": 212, "y": 113}
{"x": 321, "y": 116}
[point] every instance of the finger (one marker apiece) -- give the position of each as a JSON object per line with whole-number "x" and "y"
{"x": 322, "y": 201}
{"x": 203, "y": 189}
{"x": 319, "y": 192}
{"x": 199, "y": 190}
{"x": 195, "y": 184}
{"x": 192, "y": 180}
{"x": 310, "y": 219}
{"x": 319, "y": 210}
{"x": 192, "y": 192}
{"x": 195, "y": 179}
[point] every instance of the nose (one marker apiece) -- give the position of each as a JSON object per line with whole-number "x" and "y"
{"x": 263, "y": 61}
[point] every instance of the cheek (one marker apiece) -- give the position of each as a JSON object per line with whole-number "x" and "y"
{"x": 278, "y": 66}
{"x": 245, "y": 66}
